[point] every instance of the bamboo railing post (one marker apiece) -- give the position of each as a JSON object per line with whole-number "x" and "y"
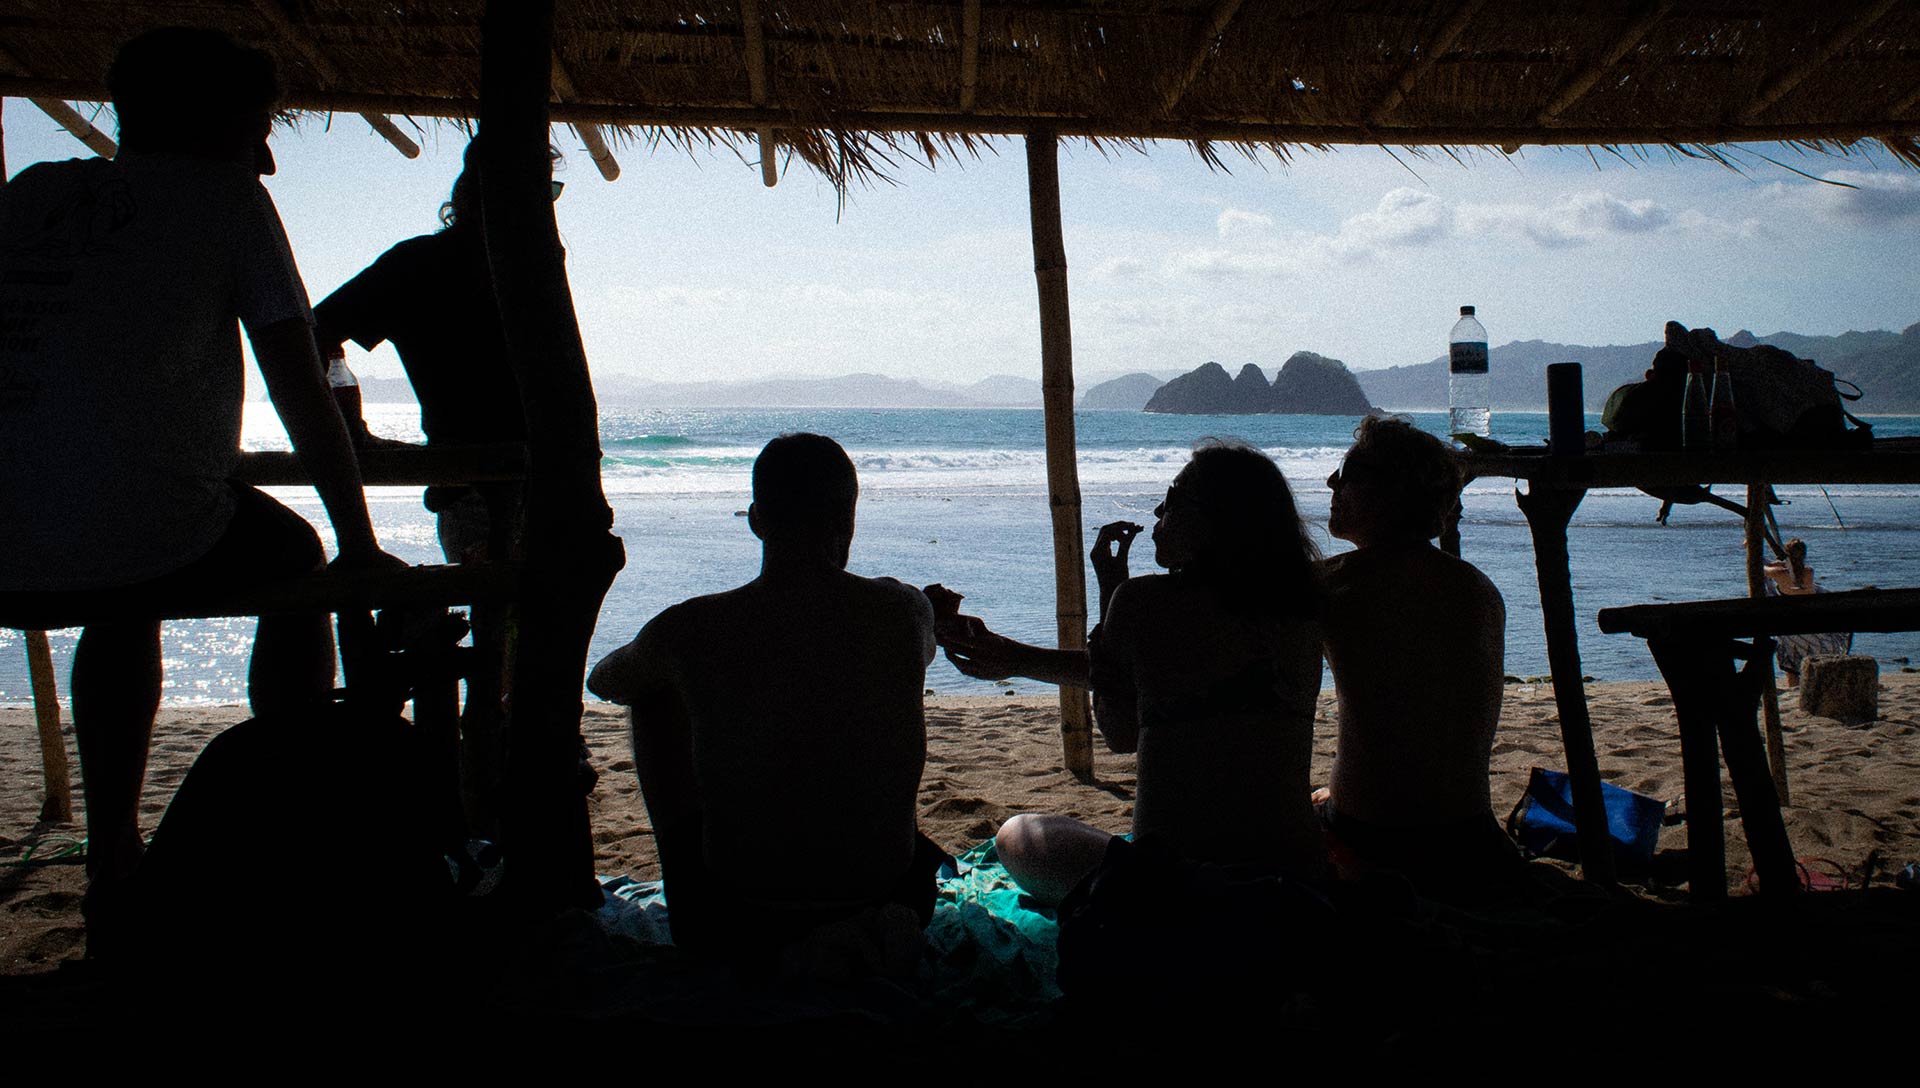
{"x": 1758, "y": 496}
{"x": 1548, "y": 510}
{"x": 570, "y": 557}
{"x": 58, "y": 806}
{"x": 1063, "y": 471}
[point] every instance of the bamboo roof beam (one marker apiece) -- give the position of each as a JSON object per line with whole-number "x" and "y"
{"x": 79, "y": 127}
{"x": 1203, "y": 47}
{"x": 1443, "y": 39}
{"x": 590, "y": 135}
{"x": 756, "y": 45}
{"x": 272, "y": 12}
{"x": 63, "y": 115}
{"x": 1786, "y": 81}
{"x": 969, "y": 54}
{"x": 1577, "y": 87}
{"x": 1249, "y": 129}
{"x": 1902, "y": 107}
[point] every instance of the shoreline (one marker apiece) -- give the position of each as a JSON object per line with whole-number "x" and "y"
{"x": 1855, "y": 789}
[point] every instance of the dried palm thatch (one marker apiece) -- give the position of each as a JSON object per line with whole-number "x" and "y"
{"x": 854, "y": 86}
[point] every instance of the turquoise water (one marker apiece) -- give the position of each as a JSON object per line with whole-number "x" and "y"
{"x": 959, "y": 496}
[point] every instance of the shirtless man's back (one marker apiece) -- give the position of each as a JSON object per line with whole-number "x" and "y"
{"x": 797, "y": 693}
{"x": 1416, "y": 639}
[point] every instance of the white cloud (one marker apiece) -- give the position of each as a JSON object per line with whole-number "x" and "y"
{"x": 1404, "y": 217}
{"x": 1265, "y": 261}
{"x": 1874, "y": 199}
{"x": 1234, "y": 221}
{"x": 1577, "y": 219}
{"x": 1121, "y": 268}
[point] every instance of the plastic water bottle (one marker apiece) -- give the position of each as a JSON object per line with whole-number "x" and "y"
{"x": 346, "y": 393}
{"x": 1469, "y": 389}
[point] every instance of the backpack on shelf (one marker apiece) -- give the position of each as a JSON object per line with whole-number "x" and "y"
{"x": 1784, "y": 402}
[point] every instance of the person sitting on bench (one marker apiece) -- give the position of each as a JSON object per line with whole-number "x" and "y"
{"x": 120, "y": 404}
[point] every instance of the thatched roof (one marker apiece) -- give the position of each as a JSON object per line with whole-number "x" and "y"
{"x": 844, "y": 81}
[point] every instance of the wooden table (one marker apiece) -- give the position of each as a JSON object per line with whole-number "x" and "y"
{"x": 1696, "y": 645}
{"x": 1555, "y": 488}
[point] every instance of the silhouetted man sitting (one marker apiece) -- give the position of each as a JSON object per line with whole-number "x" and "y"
{"x": 121, "y": 283}
{"x": 1416, "y": 639}
{"x": 795, "y": 696}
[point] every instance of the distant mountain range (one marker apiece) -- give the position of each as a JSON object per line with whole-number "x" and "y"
{"x": 1886, "y": 366}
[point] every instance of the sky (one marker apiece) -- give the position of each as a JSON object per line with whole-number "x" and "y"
{"x": 688, "y": 269}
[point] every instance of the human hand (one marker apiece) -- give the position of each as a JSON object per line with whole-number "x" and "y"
{"x": 367, "y": 558}
{"x": 983, "y": 655}
{"x": 948, "y": 623}
{"x": 1110, "y": 549}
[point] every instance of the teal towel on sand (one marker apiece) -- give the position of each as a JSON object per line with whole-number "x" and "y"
{"x": 991, "y": 959}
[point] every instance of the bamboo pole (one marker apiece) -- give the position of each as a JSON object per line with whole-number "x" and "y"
{"x": 77, "y": 126}
{"x": 1758, "y": 495}
{"x": 1577, "y": 87}
{"x": 1785, "y": 82}
{"x": 755, "y": 43}
{"x": 969, "y": 54}
{"x": 570, "y": 557}
{"x": 389, "y": 131}
{"x": 1431, "y": 50}
{"x": 58, "y": 806}
{"x": 1246, "y": 128}
{"x": 1203, "y": 46}
{"x": 1063, "y": 473}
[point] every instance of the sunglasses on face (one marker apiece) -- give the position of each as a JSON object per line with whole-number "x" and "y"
{"x": 557, "y": 187}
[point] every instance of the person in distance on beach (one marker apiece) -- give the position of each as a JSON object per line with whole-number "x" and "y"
{"x": 1416, "y": 639}
{"x": 1210, "y": 671}
{"x": 120, "y": 403}
{"x": 1792, "y": 577}
{"x": 741, "y": 719}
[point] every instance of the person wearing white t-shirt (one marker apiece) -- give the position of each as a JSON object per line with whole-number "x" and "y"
{"x": 121, "y": 387}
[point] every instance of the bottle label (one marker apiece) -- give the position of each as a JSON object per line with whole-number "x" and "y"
{"x": 1468, "y": 359}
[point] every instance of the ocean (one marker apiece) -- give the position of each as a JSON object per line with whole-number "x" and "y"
{"x": 959, "y": 496}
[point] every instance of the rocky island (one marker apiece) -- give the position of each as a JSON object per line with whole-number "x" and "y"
{"x": 1308, "y": 384}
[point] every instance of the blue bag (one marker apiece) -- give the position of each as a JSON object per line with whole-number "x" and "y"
{"x": 1543, "y": 824}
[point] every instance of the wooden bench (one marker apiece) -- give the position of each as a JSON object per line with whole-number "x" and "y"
{"x": 350, "y": 594}
{"x": 379, "y": 678}
{"x": 1696, "y": 644}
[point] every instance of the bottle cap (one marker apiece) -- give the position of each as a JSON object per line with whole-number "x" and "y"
{"x": 1466, "y": 311}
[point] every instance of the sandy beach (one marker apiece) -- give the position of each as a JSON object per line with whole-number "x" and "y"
{"x": 1855, "y": 789}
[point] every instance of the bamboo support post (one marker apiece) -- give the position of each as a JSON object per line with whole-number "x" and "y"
{"x": 77, "y": 126}
{"x": 1758, "y": 496}
{"x": 58, "y": 806}
{"x": 1548, "y": 510}
{"x": 1063, "y": 472}
{"x": 570, "y": 557}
